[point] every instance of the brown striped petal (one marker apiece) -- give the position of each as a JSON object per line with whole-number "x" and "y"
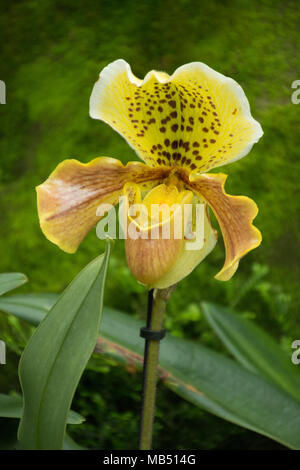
{"x": 234, "y": 214}
{"x": 69, "y": 198}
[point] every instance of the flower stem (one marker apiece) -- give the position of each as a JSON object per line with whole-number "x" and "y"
{"x": 157, "y": 302}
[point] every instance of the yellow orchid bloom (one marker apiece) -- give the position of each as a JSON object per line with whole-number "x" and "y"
{"x": 181, "y": 126}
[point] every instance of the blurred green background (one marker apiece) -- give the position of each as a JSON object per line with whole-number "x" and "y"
{"x": 51, "y": 54}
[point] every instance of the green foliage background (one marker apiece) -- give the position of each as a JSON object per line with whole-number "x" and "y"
{"x": 51, "y": 54}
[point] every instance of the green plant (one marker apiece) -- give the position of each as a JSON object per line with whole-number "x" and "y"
{"x": 259, "y": 393}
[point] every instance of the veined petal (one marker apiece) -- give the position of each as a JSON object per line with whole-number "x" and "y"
{"x": 155, "y": 244}
{"x": 160, "y": 262}
{"x": 189, "y": 258}
{"x": 197, "y": 118}
{"x": 69, "y": 198}
{"x": 234, "y": 214}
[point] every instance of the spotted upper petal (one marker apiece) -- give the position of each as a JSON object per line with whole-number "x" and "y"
{"x": 69, "y": 198}
{"x": 197, "y": 118}
{"x": 234, "y": 214}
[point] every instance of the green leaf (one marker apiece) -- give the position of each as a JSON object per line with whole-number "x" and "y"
{"x": 12, "y": 407}
{"x": 75, "y": 418}
{"x": 209, "y": 380}
{"x": 253, "y": 348}
{"x": 199, "y": 375}
{"x": 29, "y": 307}
{"x": 55, "y": 357}
{"x": 9, "y": 281}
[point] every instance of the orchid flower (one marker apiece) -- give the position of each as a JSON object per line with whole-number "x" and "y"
{"x": 181, "y": 126}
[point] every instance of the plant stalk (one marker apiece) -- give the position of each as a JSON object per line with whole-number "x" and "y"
{"x": 157, "y": 302}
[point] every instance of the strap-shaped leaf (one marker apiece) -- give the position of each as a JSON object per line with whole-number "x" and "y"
{"x": 56, "y": 355}
{"x": 9, "y": 281}
{"x": 253, "y": 348}
{"x": 209, "y": 380}
{"x": 201, "y": 376}
{"x": 29, "y": 307}
{"x": 11, "y": 406}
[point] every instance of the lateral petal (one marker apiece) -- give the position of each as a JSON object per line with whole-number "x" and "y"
{"x": 69, "y": 198}
{"x": 234, "y": 214}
